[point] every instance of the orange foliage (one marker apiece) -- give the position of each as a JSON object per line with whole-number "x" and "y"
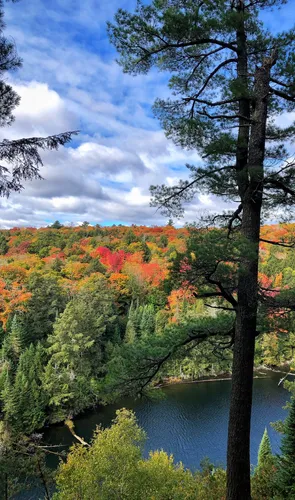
{"x": 13, "y": 298}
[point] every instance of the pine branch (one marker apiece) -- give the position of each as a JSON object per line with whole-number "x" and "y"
{"x": 279, "y": 185}
{"x": 278, "y": 243}
{"x": 283, "y": 84}
{"x": 202, "y": 58}
{"x": 192, "y": 183}
{"x": 283, "y": 95}
{"x": 25, "y": 159}
{"x": 156, "y": 365}
{"x": 220, "y": 66}
{"x": 223, "y": 117}
{"x": 209, "y": 103}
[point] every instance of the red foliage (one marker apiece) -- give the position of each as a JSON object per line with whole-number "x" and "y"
{"x": 112, "y": 260}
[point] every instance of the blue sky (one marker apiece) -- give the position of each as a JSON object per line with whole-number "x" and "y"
{"x": 70, "y": 80}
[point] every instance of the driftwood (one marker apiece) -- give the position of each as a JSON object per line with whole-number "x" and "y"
{"x": 282, "y": 379}
{"x": 70, "y": 425}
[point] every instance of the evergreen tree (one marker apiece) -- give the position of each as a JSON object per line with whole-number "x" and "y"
{"x": 163, "y": 243}
{"x": 6, "y": 387}
{"x": 24, "y": 399}
{"x": 222, "y": 48}
{"x": 47, "y": 301}
{"x": 3, "y": 244}
{"x": 265, "y": 455}
{"x": 14, "y": 341}
{"x": 130, "y": 237}
{"x": 56, "y": 225}
{"x": 147, "y": 324}
{"x": 130, "y": 333}
{"x": 146, "y": 252}
{"x": 286, "y": 472}
{"x": 135, "y": 316}
{"x": 77, "y": 350}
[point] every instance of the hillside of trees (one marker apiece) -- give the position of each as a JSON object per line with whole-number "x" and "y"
{"x": 88, "y": 314}
{"x": 82, "y": 308}
{"x": 75, "y": 300}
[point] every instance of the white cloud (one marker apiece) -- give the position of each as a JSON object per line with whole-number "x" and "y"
{"x": 70, "y": 81}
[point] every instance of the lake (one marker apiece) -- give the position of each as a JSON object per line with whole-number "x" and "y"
{"x": 191, "y": 421}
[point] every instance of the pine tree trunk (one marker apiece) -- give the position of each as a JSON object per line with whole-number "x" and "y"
{"x": 238, "y": 452}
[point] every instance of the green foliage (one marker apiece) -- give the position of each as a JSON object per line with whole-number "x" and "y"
{"x": 47, "y": 302}
{"x": 264, "y": 478}
{"x": 147, "y": 323}
{"x": 56, "y": 225}
{"x": 3, "y": 244}
{"x": 130, "y": 237}
{"x": 113, "y": 468}
{"x": 14, "y": 342}
{"x": 22, "y": 465}
{"x": 76, "y": 350}
{"x": 163, "y": 243}
{"x": 264, "y": 453}
{"x": 286, "y": 470}
{"x": 24, "y": 399}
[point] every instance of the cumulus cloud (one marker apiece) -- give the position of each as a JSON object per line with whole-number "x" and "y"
{"x": 69, "y": 81}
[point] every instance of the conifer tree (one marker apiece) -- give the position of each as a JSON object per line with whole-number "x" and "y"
{"x": 263, "y": 480}
{"x": 230, "y": 79}
{"x": 130, "y": 333}
{"x": 286, "y": 472}
{"x": 3, "y": 244}
{"x": 13, "y": 343}
{"x": 265, "y": 455}
{"x": 77, "y": 349}
{"x": 25, "y": 399}
{"x": 147, "y": 324}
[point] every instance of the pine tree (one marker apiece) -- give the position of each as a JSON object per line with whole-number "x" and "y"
{"x": 21, "y": 155}
{"x": 286, "y": 472}
{"x": 135, "y": 315}
{"x": 130, "y": 237}
{"x": 222, "y": 49}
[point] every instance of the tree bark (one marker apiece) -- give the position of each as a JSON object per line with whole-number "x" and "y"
{"x": 251, "y": 190}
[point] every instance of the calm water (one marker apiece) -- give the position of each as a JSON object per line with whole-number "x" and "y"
{"x": 191, "y": 422}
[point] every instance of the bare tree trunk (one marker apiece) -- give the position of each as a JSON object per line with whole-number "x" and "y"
{"x": 238, "y": 452}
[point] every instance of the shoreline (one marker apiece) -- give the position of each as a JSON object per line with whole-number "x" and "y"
{"x": 258, "y": 374}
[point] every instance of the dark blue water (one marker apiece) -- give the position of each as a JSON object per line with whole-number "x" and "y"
{"x": 191, "y": 422}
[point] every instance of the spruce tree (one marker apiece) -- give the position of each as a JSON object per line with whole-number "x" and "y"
{"x": 130, "y": 333}
{"x": 286, "y": 472}
{"x": 25, "y": 401}
{"x": 13, "y": 343}
{"x": 265, "y": 455}
{"x": 3, "y": 244}
{"x": 263, "y": 480}
{"x": 147, "y": 324}
{"x": 230, "y": 79}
